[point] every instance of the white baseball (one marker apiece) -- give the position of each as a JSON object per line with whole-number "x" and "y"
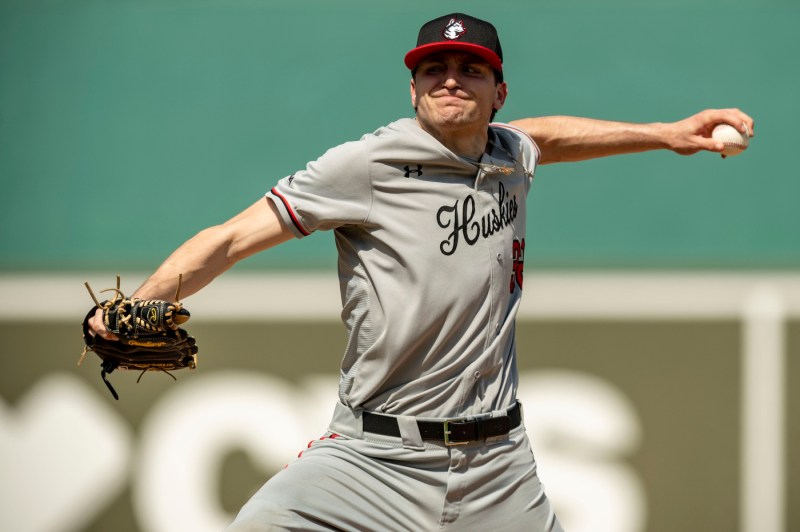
{"x": 734, "y": 140}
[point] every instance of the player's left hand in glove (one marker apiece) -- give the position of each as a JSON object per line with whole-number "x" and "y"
{"x": 150, "y": 338}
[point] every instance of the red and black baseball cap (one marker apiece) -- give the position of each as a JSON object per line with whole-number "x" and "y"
{"x": 457, "y": 32}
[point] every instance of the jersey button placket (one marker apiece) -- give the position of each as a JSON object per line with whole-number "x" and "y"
{"x": 499, "y": 279}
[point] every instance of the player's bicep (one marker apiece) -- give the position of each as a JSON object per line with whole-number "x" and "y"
{"x": 255, "y": 229}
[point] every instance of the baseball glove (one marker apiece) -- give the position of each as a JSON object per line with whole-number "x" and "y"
{"x": 150, "y": 338}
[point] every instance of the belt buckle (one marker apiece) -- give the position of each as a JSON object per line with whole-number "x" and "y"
{"x": 447, "y": 431}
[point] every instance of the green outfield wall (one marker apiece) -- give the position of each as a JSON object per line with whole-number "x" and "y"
{"x": 127, "y": 126}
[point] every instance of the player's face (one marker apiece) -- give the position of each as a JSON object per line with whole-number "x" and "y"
{"x": 454, "y": 90}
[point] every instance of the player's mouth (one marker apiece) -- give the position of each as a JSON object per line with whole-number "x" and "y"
{"x": 451, "y": 99}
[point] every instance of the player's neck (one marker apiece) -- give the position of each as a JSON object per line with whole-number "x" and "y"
{"x": 469, "y": 142}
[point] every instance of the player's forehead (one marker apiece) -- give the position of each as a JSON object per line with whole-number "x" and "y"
{"x": 454, "y": 56}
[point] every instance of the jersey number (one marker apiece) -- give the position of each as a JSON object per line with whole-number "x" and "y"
{"x": 518, "y": 255}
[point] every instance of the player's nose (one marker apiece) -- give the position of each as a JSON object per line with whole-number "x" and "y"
{"x": 451, "y": 81}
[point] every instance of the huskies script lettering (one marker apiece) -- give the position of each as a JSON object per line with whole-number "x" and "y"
{"x": 460, "y": 219}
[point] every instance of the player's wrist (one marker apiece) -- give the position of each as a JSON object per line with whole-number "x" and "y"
{"x": 667, "y": 136}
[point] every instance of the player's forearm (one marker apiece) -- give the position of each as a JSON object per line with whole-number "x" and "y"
{"x": 567, "y": 138}
{"x": 198, "y": 262}
{"x": 214, "y": 250}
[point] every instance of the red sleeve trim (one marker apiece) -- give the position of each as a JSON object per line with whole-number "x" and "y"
{"x": 291, "y": 212}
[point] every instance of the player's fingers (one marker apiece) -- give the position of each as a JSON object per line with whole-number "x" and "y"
{"x": 741, "y": 121}
{"x": 734, "y": 117}
{"x": 98, "y": 328}
{"x": 745, "y": 124}
{"x": 708, "y": 144}
{"x": 750, "y": 126}
{"x": 108, "y": 335}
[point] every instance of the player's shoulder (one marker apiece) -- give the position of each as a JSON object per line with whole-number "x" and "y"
{"x": 399, "y": 128}
{"x": 355, "y": 156}
{"x": 512, "y": 135}
{"x": 402, "y": 139}
{"x": 383, "y": 135}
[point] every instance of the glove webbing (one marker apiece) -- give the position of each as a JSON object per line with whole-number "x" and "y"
{"x": 108, "y": 366}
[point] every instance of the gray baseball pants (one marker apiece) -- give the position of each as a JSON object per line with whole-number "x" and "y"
{"x": 351, "y": 480}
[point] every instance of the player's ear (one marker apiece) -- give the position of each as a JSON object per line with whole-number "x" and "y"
{"x": 500, "y": 96}
{"x": 413, "y": 90}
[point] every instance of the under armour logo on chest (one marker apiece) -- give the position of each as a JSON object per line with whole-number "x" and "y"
{"x": 409, "y": 171}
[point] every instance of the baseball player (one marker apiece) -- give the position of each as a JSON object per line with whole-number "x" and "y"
{"x": 429, "y": 217}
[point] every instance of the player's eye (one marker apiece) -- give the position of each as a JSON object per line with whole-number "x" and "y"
{"x": 472, "y": 70}
{"x": 433, "y": 69}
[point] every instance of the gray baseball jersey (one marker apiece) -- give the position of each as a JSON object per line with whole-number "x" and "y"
{"x": 431, "y": 251}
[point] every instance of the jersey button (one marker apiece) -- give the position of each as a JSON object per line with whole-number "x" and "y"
{"x": 499, "y": 258}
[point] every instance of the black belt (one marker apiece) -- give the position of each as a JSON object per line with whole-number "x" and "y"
{"x": 457, "y": 431}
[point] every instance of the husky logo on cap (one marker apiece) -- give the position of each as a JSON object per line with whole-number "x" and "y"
{"x": 454, "y": 29}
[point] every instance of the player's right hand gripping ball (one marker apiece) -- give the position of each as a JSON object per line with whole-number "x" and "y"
{"x": 150, "y": 337}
